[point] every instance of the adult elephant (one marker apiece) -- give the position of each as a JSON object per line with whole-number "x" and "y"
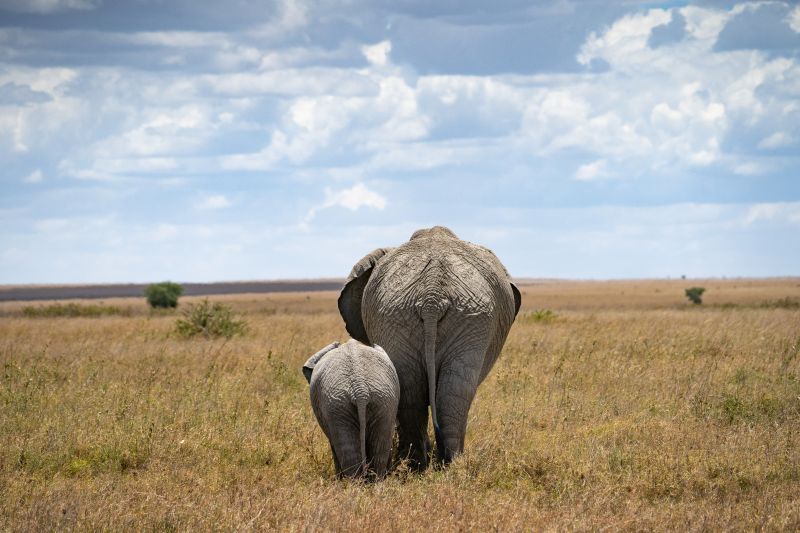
{"x": 441, "y": 308}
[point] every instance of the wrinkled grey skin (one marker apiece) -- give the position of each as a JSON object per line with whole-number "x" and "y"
{"x": 442, "y": 308}
{"x": 354, "y": 395}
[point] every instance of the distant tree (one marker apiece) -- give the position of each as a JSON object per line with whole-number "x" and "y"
{"x": 163, "y": 295}
{"x": 695, "y": 294}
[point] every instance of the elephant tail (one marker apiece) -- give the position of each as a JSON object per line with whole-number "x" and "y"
{"x": 361, "y": 406}
{"x": 430, "y": 318}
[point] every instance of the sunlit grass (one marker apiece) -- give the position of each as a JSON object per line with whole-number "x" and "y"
{"x": 614, "y": 405}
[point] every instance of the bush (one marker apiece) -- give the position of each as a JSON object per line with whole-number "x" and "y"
{"x": 542, "y": 315}
{"x": 695, "y": 294}
{"x": 209, "y": 320}
{"x": 163, "y": 295}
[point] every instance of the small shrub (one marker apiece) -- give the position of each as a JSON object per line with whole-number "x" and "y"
{"x": 163, "y": 295}
{"x": 210, "y": 320}
{"x": 733, "y": 408}
{"x": 73, "y": 310}
{"x": 695, "y": 294}
{"x": 542, "y": 315}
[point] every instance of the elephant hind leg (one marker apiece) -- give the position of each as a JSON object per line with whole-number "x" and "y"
{"x": 346, "y": 446}
{"x": 379, "y": 446}
{"x": 412, "y": 432}
{"x": 455, "y": 392}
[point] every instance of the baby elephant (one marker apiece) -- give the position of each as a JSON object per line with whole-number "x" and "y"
{"x": 354, "y": 394}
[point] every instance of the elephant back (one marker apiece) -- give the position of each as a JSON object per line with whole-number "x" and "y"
{"x": 438, "y": 269}
{"x": 434, "y": 268}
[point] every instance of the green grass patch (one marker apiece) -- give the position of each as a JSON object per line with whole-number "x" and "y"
{"x": 782, "y": 303}
{"x": 72, "y": 310}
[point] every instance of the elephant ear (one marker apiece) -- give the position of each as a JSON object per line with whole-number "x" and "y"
{"x": 308, "y": 367}
{"x": 517, "y": 299}
{"x": 353, "y": 291}
{"x": 514, "y": 289}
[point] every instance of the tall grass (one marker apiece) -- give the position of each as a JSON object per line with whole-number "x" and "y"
{"x": 619, "y": 414}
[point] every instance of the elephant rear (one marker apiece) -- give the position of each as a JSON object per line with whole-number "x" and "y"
{"x": 354, "y": 394}
{"x": 442, "y": 308}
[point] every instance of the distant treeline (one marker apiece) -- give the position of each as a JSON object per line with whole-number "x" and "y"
{"x": 189, "y": 289}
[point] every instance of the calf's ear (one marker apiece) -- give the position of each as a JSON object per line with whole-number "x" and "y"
{"x": 308, "y": 367}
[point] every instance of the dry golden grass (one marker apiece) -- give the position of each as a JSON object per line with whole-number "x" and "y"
{"x": 625, "y": 408}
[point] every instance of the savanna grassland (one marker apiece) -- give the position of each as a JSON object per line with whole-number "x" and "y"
{"x": 615, "y": 405}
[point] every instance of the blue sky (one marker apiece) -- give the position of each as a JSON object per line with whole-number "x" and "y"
{"x": 194, "y": 140}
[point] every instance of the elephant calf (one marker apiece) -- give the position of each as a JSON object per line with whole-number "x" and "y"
{"x": 354, "y": 394}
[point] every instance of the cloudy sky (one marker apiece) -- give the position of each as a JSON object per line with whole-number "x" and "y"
{"x": 197, "y": 140}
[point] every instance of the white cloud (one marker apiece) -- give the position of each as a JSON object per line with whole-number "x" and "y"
{"x": 794, "y": 19}
{"x": 292, "y": 16}
{"x": 161, "y": 132}
{"x": 214, "y": 201}
{"x": 378, "y": 54}
{"x": 591, "y": 171}
{"x": 779, "y": 139}
{"x": 741, "y": 94}
{"x": 666, "y": 108}
{"x": 353, "y": 199}
{"x": 704, "y": 25}
{"x": 33, "y": 177}
{"x": 624, "y": 44}
{"x": 360, "y": 125}
{"x": 632, "y": 114}
{"x": 53, "y": 81}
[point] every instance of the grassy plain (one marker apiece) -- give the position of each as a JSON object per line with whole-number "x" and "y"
{"x": 625, "y": 407}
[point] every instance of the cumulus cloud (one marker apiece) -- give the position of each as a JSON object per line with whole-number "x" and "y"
{"x": 292, "y": 16}
{"x": 794, "y": 19}
{"x": 378, "y": 54}
{"x": 694, "y": 97}
{"x": 313, "y": 127}
{"x": 352, "y": 199}
{"x": 591, "y": 171}
{"x": 631, "y": 114}
{"x": 625, "y": 43}
{"x": 164, "y": 131}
